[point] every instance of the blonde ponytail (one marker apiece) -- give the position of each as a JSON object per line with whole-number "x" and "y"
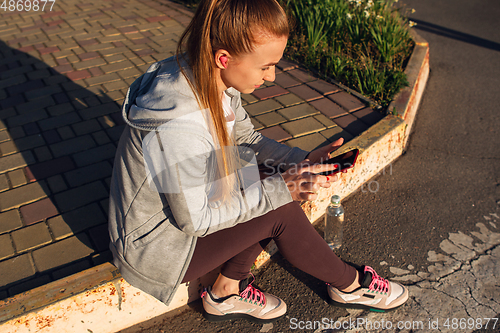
{"x": 229, "y": 25}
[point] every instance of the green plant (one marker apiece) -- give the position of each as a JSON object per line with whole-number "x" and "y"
{"x": 360, "y": 43}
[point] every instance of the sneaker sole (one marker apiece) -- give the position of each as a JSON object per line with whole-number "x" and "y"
{"x": 233, "y": 316}
{"x": 361, "y": 306}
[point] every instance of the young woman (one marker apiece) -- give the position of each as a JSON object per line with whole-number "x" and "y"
{"x": 186, "y": 195}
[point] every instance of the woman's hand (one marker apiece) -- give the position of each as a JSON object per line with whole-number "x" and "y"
{"x": 322, "y": 154}
{"x": 303, "y": 182}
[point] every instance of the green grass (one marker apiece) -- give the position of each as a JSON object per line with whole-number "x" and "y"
{"x": 363, "y": 44}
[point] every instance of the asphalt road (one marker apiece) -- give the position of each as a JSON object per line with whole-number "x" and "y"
{"x": 447, "y": 181}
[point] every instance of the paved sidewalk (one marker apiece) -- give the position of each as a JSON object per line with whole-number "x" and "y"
{"x": 63, "y": 76}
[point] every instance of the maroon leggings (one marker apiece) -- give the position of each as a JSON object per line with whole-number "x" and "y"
{"x": 296, "y": 238}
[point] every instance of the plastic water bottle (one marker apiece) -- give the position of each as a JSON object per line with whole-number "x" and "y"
{"x": 334, "y": 223}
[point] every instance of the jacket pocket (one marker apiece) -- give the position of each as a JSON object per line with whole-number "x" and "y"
{"x": 150, "y": 230}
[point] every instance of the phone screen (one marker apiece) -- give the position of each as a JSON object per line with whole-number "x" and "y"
{"x": 342, "y": 162}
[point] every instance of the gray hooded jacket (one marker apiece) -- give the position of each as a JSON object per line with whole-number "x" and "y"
{"x": 160, "y": 187}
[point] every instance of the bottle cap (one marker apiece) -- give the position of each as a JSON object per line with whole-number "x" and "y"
{"x": 335, "y": 199}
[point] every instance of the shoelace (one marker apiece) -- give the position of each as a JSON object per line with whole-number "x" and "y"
{"x": 253, "y": 294}
{"x": 378, "y": 283}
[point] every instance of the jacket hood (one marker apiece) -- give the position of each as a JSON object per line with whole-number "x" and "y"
{"x": 160, "y": 95}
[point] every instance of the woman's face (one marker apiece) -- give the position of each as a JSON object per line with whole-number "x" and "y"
{"x": 247, "y": 72}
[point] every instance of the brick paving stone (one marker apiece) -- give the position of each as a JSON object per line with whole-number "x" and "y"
{"x": 15, "y": 161}
{"x": 307, "y": 142}
{"x": 31, "y": 237}
{"x": 4, "y": 184}
{"x": 59, "y": 121}
{"x": 89, "y": 63}
{"x": 51, "y": 136}
{"x": 88, "y": 174}
{"x": 78, "y": 220}
{"x": 103, "y": 79}
{"x": 39, "y": 74}
{"x": 43, "y": 154}
{"x": 99, "y": 110}
{"x": 96, "y": 71}
{"x": 38, "y": 211}
{"x": 115, "y": 58}
{"x": 92, "y": 101}
{"x": 325, "y": 120}
{"x": 269, "y": 92}
{"x": 15, "y": 72}
{"x": 71, "y": 269}
{"x": 298, "y": 111}
{"x": 286, "y": 80}
{"x": 335, "y": 133}
{"x": 57, "y": 184}
{"x": 144, "y": 52}
{"x": 368, "y": 116}
{"x": 6, "y": 248}
{"x": 302, "y": 75}
{"x": 305, "y": 92}
{"x": 12, "y": 101}
{"x": 16, "y": 269}
{"x": 111, "y": 50}
{"x": 100, "y": 237}
{"x": 116, "y": 85}
{"x": 88, "y": 56}
{"x": 12, "y": 81}
{"x": 289, "y": 99}
{"x": 4, "y": 136}
{"x": 30, "y": 142}
{"x": 60, "y": 108}
{"x": 131, "y": 72}
{"x": 24, "y": 87}
{"x": 323, "y": 87}
{"x": 347, "y": 101}
{"x": 276, "y": 133}
{"x": 78, "y": 75}
{"x": 8, "y": 148}
{"x": 271, "y": 119}
{"x": 31, "y": 128}
{"x": 351, "y": 124}
{"x": 328, "y": 108}
{"x": 303, "y": 126}
{"x": 10, "y": 220}
{"x": 30, "y": 284}
{"x": 17, "y": 177}
{"x": 87, "y": 42}
{"x": 127, "y": 30}
{"x": 80, "y": 196}
{"x": 262, "y": 107}
{"x": 101, "y": 138}
{"x": 20, "y": 196}
{"x": 32, "y": 106}
{"x": 62, "y": 252}
{"x": 50, "y": 168}
{"x": 257, "y": 126}
{"x": 72, "y": 146}
{"x": 158, "y": 18}
{"x": 85, "y": 127}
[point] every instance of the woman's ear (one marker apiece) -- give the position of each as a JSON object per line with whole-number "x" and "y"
{"x": 221, "y": 58}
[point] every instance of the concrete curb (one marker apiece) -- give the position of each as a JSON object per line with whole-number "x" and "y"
{"x": 99, "y": 300}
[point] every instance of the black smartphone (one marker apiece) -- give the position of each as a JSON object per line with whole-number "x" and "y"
{"x": 343, "y": 162}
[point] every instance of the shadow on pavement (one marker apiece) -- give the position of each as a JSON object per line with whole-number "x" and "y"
{"x": 57, "y": 144}
{"x": 453, "y": 34}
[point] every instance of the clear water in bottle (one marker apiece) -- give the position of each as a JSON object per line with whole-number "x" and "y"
{"x": 334, "y": 223}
